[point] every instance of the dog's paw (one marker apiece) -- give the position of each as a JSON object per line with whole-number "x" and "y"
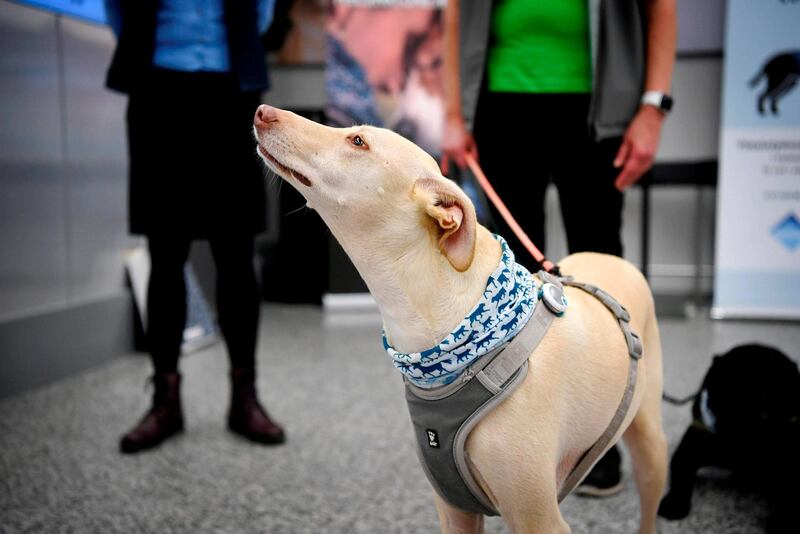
{"x": 673, "y": 507}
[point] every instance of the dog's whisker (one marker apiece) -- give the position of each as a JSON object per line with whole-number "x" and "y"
{"x": 296, "y": 210}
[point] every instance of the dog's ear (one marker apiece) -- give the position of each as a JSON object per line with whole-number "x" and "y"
{"x": 453, "y": 216}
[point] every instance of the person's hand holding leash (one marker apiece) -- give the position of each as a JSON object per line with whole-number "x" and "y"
{"x": 457, "y": 142}
{"x": 639, "y": 145}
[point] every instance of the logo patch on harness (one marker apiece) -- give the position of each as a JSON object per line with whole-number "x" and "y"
{"x": 433, "y": 438}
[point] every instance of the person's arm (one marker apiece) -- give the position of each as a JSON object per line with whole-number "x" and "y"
{"x": 114, "y": 16}
{"x": 457, "y": 142}
{"x": 640, "y": 142}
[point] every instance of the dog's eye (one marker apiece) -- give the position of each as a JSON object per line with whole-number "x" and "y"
{"x": 357, "y": 141}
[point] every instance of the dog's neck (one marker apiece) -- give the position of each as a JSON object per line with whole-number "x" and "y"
{"x": 420, "y": 295}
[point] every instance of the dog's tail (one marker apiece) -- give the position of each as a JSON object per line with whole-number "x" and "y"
{"x": 679, "y": 402}
{"x": 757, "y": 78}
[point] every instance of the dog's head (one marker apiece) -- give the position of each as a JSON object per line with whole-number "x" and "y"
{"x": 751, "y": 391}
{"x": 370, "y": 185}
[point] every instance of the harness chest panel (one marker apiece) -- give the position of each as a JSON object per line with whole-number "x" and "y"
{"x": 443, "y": 417}
{"x": 441, "y": 428}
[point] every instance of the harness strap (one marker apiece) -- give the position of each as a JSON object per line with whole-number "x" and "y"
{"x": 503, "y": 367}
{"x": 635, "y": 351}
{"x": 635, "y": 348}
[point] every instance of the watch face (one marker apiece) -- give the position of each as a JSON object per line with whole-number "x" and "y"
{"x": 666, "y": 102}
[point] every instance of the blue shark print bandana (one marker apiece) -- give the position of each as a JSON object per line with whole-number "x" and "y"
{"x": 505, "y": 307}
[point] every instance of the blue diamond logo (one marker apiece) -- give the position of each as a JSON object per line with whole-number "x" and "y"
{"x": 787, "y": 232}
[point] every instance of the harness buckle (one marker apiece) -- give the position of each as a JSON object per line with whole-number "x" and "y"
{"x": 635, "y": 346}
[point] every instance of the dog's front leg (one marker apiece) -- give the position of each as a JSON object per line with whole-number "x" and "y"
{"x": 539, "y": 516}
{"x": 455, "y": 521}
{"x": 697, "y": 449}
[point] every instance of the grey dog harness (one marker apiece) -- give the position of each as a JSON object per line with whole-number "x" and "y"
{"x": 443, "y": 417}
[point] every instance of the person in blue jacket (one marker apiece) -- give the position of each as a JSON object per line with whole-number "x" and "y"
{"x": 194, "y": 71}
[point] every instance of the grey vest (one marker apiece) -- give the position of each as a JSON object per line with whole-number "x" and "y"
{"x": 443, "y": 417}
{"x": 618, "y": 30}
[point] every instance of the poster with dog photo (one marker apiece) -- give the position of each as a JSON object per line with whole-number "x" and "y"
{"x": 758, "y": 217}
{"x": 384, "y": 67}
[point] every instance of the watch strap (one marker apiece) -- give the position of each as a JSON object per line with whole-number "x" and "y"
{"x": 658, "y": 99}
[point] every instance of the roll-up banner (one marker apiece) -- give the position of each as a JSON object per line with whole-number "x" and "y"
{"x": 758, "y": 213}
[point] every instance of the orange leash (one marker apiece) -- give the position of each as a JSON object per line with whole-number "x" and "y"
{"x": 546, "y": 264}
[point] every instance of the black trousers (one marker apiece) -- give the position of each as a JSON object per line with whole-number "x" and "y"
{"x": 237, "y": 298}
{"x": 194, "y": 174}
{"x": 526, "y": 141}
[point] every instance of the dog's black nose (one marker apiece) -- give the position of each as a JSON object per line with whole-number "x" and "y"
{"x": 264, "y": 115}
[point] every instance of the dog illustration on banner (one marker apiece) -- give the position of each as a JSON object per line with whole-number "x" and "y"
{"x": 782, "y": 72}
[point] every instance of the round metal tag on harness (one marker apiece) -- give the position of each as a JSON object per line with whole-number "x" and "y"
{"x": 553, "y": 298}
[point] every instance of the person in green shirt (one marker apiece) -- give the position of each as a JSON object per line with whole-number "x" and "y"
{"x": 572, "y": 92}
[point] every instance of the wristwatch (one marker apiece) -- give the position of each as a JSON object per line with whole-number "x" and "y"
{"x": 662, "y": 101}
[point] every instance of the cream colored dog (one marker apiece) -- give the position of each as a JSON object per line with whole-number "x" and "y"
{"x": 413, "y": 236}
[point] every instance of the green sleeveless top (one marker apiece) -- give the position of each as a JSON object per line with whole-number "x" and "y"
{"x": 540, "y": 46}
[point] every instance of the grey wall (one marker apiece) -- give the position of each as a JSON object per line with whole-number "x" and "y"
{"x": 700, "y": 25}
{"x": 62, "y": 165}
{"x": 63, "y": 303}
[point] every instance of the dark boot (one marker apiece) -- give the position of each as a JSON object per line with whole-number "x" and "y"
{"x": 605, "y": 478}
{"x": 164, "y": 419}
{"x": 247, "y": 417}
